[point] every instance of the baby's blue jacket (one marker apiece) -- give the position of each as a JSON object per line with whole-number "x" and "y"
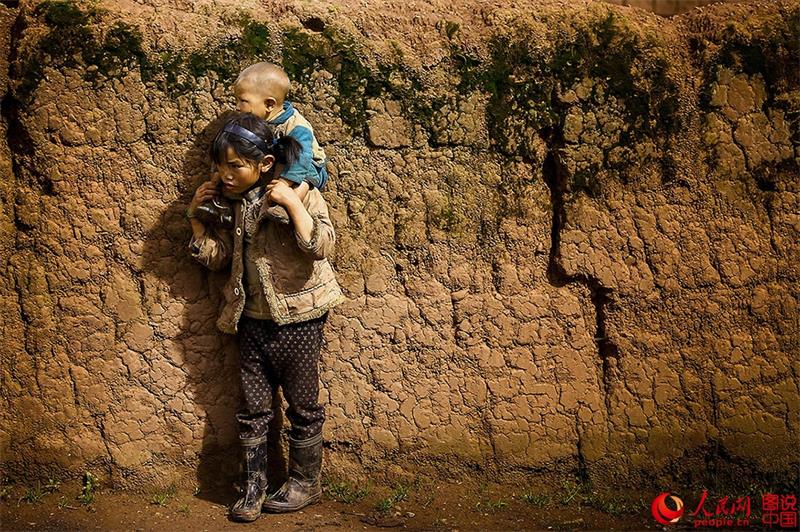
{"x": 311, "y": 166}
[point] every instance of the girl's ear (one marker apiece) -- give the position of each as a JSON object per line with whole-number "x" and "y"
{"x": 266, "y": 163}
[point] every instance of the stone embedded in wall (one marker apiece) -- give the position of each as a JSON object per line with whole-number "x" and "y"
{"x": 386, "y": 126}
{"x": 463, "y": 123}
{"x": 743, "y": 134}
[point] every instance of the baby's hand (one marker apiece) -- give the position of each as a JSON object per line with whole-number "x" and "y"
{"x": 278, "y": 191}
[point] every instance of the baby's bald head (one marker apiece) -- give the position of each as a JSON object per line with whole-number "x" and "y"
{"x": 266, "y": 79}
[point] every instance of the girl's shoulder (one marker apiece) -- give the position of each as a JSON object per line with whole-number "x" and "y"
{"x": 314, "y": 200}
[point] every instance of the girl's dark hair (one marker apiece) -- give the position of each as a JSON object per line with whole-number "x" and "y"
{"x": 286, "y": 150}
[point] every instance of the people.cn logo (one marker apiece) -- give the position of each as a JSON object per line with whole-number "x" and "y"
{"x": 662, "y": 513}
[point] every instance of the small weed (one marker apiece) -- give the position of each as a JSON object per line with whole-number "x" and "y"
{"x": 399, "y": 493}
{"x": 90, "y": 485}
{"x": 539, "y": 500}
{"x": 569, "y": 490}
{"x": 52, "y": 485}
{"x": 161, "y": 498}
{"x": 184, "y": 509}
{"x": 612, "y": 505}
{"x": 428, "y": 499}
{"x": 343, "y": 491}
{"x": 33, "y": 495}
{"x": 490, "y": 506}
{"x": 487, "y": 504}
{"x": 62, "y": 504}
{"x": 384, "y": 505}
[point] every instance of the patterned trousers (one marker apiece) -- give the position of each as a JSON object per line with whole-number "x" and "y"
{"x": 272, "y": 355}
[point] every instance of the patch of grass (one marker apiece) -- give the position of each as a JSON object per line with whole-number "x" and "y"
{"x": 490, "y": 506}
{"x": 90, "y": 485}
{"x": 523, "y": 81}
{"x": 72, "y": 39}
{"x": 344, "y": 55}
{"x": 161, "y": 498}
{"x": 63, "y": 504}
{"x": 539, "y": 500}
{"x": 384, "y": 505}
{"x": 33, "y": 494}
{"x": 53, "y": 484}
{"x": 344, "y": 491}
{"x": 569, "y": 491}
{"x": 184, "y": 509}
{"x": 770, "y": 50}
{"x": 611, "y": 504}
{"x": 399, "y": 493}
{"x": 486, "y": 503}
{"x": 446, "y": 219}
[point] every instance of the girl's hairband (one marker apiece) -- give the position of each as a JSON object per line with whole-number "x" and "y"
{"x": 246, "y": 134}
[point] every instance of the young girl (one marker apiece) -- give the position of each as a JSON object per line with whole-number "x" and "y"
{"x": 276, "y": 300}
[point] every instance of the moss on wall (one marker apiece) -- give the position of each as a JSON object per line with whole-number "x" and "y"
{"x": 75, "y": 38}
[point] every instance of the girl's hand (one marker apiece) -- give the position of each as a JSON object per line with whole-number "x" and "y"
{"x": 215, "y": 177}
{"x": 205, "y": 192}
{"x": 281, "y": 193}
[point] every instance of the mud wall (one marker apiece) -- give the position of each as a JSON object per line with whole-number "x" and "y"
{"x": 667, "y": 8}
{"x": 568, "y": 233}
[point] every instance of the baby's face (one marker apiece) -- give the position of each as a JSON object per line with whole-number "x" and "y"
{"x": 237, "y": 174}
{"x": 250, "y": 100}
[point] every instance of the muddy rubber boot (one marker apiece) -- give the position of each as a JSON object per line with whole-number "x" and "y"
{"x": 248, "y": 507}
{"x": 304, "y": 486}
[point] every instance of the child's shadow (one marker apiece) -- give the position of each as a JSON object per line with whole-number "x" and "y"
{"x": 209, "y": 357}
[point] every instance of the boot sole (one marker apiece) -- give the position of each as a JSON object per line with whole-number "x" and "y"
{"x": 247, "y": 518}
{"x": 239, "y": 518}
{"x": 267, "y": 507}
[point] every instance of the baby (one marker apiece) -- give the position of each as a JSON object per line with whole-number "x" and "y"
{"x": 261, "y": 90}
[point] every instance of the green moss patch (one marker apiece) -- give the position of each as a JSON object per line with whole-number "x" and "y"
{"x": 74, "y": 39}
{"x": 341, "y": 54}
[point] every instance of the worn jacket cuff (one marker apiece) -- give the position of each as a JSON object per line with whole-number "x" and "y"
{"x": 194, "y": 246}
{"x": 311, "y": 245}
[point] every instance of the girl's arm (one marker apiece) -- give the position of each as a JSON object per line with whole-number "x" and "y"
{"x": 212, "y": 249}
{"x": 312, "y": 226}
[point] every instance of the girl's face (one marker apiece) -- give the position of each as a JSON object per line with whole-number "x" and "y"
{"x": 239, "y": 174}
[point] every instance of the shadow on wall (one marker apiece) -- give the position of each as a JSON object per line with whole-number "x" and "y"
{"x": 208, "y": 356}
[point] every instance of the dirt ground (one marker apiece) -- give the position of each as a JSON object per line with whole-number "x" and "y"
{"x": 424, "y": 505}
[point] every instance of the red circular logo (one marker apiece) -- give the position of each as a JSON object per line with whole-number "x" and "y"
{"x": 662, "y": 513}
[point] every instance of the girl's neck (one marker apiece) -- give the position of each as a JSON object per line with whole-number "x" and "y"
{"x": 256, "y": 190}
